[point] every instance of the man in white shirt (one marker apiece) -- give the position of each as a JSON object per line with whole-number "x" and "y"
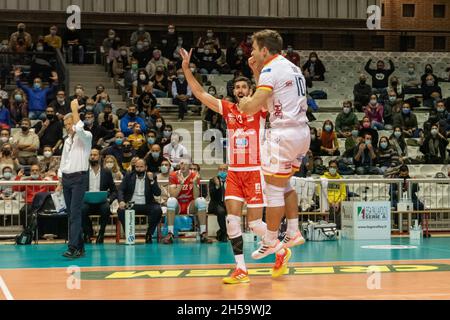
{"x": 175, "y": 150}
{"x": 73, "y": 174}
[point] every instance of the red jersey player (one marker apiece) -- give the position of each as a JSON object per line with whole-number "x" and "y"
{"x": 244, "y": 181}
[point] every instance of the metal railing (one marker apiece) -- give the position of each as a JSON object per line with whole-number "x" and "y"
{"x": 430, "y": 197}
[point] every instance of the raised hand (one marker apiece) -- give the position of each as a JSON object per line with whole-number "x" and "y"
{"x": 54, "y": 76}
{"x": 186, "y": 58}
{"x": 17, "y": 72}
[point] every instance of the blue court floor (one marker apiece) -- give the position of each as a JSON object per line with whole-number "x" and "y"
{"x": 112, "y": 255}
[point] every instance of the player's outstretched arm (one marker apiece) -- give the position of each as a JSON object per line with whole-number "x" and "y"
{"x": 198, "y": 91}
{"x": 256, "y": 103}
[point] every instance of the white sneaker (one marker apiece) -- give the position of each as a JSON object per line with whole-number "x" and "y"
{"x": 297, "y": 240}
{"x": 265, "y": 250}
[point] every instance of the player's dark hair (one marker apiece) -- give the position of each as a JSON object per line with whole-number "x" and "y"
{"x": 269, "y": 39}
{"x": 243, "y": 79}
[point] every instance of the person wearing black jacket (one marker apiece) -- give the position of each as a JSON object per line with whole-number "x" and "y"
{"x": 146, "y": 100}
{"x": 434, "y": 146}
{"x": 98, "y": 132}
{"x": 380, "y": 75}
{"x": 141, "y": 189}
{"x": 217, "y": 204}
{"x": 99, "y": 179}
{"x": 315, "y": 67}
{"x": 362, "y": 92}
{"x": 154, "y": 158}
{"x": 50, "y": 131}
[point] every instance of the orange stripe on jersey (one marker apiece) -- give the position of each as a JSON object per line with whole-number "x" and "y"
{"x": 276, "y": 175}
{"x": 267, "y": 88}
{"x": 270, "y": 60}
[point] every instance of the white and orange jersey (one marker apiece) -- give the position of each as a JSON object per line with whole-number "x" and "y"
{"x": 244, "y": 137}
{"x": 288, "y": 103}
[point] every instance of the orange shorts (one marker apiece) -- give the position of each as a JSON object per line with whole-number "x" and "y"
{"x": 246, "y": 186}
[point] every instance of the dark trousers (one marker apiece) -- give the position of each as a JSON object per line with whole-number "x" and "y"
{"x": 182, "y": 107}
{"x": 74, "y": 188}
{"x": 25, "y": 215}
{"x": 152, "y": 211}
{"x": 101, "y": 209}
{"x": 221, "y": 212}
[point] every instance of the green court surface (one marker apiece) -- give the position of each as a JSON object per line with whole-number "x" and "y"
{"x": 181, "y": 253}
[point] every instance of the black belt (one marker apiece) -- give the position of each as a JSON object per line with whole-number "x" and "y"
{"x": 75, "y": 174}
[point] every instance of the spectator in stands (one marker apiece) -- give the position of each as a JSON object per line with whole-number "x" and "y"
{"x": 141, "y": 188}
{"x": 142, "y": 81}
{"x": 396, "y": 86}
{"x": 316, "y": 142}
{"x": 120, "y": 64}
{"x": 154, "y": 158}
{"x": 20, "y": 35}
{"x": 231, "y": 51}
{"x": 5, "y": 116}
{"x": 390, "y": 107}
{"x": 208, "y": 40}
{"x": 407, "y": 120}
{"x": 217, "y": 202}
{"x": 53, "y": 39}
{"x": 292, "y": 56}
{"x": 240, "y": 63}
{"x": 110, "y": 163}
{"x": 115, "y": 149}
{"x": 142, "y": 55}
{"x": 167, "y": 135}
{"x": 18, "y": 106}
{"x": 3, "y": 95}
{"x": 352, "y": 141}
{"x": 434, "y": 145}
{"x": 428, "y": 71}
{"x": 362, "y": 92}
{"x": 50, "y": 131}
{"x": 146, "y": 101}
{"x": 439, "y": 114}
{"x": 100, "y": 89}
{"x": 150, "y": 115}
{"x": 395, "y": 195}
{"x": 207, "y": 59}
{"x": 101, "y": 102}
{"x": 430, "y": 89}
{"x": 127, "y": 156}
{"x": 412, "y": 81}
{"x": 365, "y": 158}
{"x": 151, "y": 139}
{"x": 99, "y": 133}
{"x": 195, "y": 72}
{"x": 79, "y": 95}
{"x": 181, "y": 93}
{"x": 160, "y": 83}
{"x": 7, "y": 158}
{"x": 30, "y": 191}
{"x": 132, "y": 75}
{"x": 100, "y": 180}
{"x": 37, "y": 96}
{"x": 175, "y": 151}
{"x": 387, "y": 156}
{"x": 73, "y": 44}
{"x": 136, "y": 138}
{"x": 174, "y": 55}
{"x": 157, "y": 61}
{"x": 108, "y": 43}
{"x": 128, "y": 121}
{"x": 169, "y": 41}
{"x": 329, "y": 140}
{"x": 164, "y": 175}
{"x": 380, "y": 76}
{"x": 60, "y": 105}
{"x": 5, "y": 137}
{"x": 6, "y": 192}
{"x": 398, "y": 143}
{"x": 184, "y": 190}
{"x": 140, "y": 35}
{"x": 315, "y": 67}
{"x": 114, "y": 53}
{"x": 374, "y": 111}
{"x": 337, "y": 192}
{"x": 50, "y": 162}
{"x": 247, "y": 46}
{"x": 346, "y": 120}
{"x": 27, "y": 144}
{"x": 367, "y": 128}
{"x": 108, "y": 120}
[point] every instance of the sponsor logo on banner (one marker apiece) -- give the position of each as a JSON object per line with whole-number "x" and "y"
{"x": 372, "y": 213}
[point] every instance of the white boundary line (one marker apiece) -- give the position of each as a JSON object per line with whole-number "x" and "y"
{"x": 5, "y": 290}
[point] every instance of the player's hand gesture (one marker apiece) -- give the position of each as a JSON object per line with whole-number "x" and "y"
{"x": 186, "y": 58}
{"x": 255, "y": 66}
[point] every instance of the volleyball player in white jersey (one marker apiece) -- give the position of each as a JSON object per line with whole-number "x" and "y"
{"x": 281, "y": 88}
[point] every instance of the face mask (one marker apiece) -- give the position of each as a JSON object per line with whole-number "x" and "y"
{"x": 34, "y": 176}
{"x": 140, "y": 174}
{"x": 406, "y": 111}
{"x": 7, "y": 175}
{"x": 155, "y": 155}
{"x": 123, "y": 53}
{"x": 333, "y": 171}
{"x": 131, "y": 114}
{"x": 428, "y": 70}
{"x": 193, "y": 70}
{"x": 181, "y": 77}
{"x": 159, "y": 72}
{"x": 134, "y": 66}
{"x": 140, "y": 46}
{"x": 48, "y": 154}
{"x": 142, "y": 77}
{"x": 410, "y": 70}
{"x": 240, "y": 53}
{"x": 21, "y": 30}
{"x": 397, "y": 134}
{"x": 210, "y": 35}
{"x": 207, "y": 52}
{"x": 212, "y": 93}
{"x": 37, "y": 86}
{"x": 119, "y": 142}
{"x": 164, "y": 169}
{"x": 4, "y": 139}
{"x": 430, "y": 83}
{"x": 383, "y": 145}
{"x": 25, "y": 129}
{"x": 440, "y": 110}
{"x": 18, "y": 98}
{"x": 151, "y": 140}
{"x": 159, "y": 125}
{"x": 290, "y": 50}
{"x": 40, "y": 48}
{"x": 434, "y": 132}
{"x": 373, "y": 102}
{"x": 50, "y": 117}
{"x": 111, "y": 35}
{"x": 392, "y": 99}
{"x": 362, "y": 81}
{"x": 174, "y": 143}
{"x": 313, "y": 137}
{"x": 328, "y": 128}
{"x": 88, "y": 122}
{"x": 89, "y": 108}
{"x": 347, "y": 110}
{"x": 127, "y": 149}
{"x": 53, "y": 32}
{"x": 61, "y": 100}
{"x": 223, "y": 175}
{"x": 109, "y": 166}
{"x": 93, "y": 163}
{"x": 313, "y": 59}
{"x": 355, "y": 133}
{"x": 6, "y": 152}
{"x": 368, "y": 142}
{"x": 164, "y": 41}
{"x": 167, "y": 134}
{"x": 366, "y": 125}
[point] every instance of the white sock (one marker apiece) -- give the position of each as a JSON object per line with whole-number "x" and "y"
{"x": 258, "y": 227}
{"x": 292, "y": 227}
{"x": 271, "y": 237}
{"x": 202, "y": 229}
{"x": 170, "y": 229}
{"x": 240, "y": 262}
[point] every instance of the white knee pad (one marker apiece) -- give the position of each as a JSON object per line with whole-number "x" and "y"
{"x": 234, "y": 226}
{"x": 200, "y": 204}
{"x": 172, "y": 204}
{"x": 258, "y": 227}
{"x": 275, "y": 196}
